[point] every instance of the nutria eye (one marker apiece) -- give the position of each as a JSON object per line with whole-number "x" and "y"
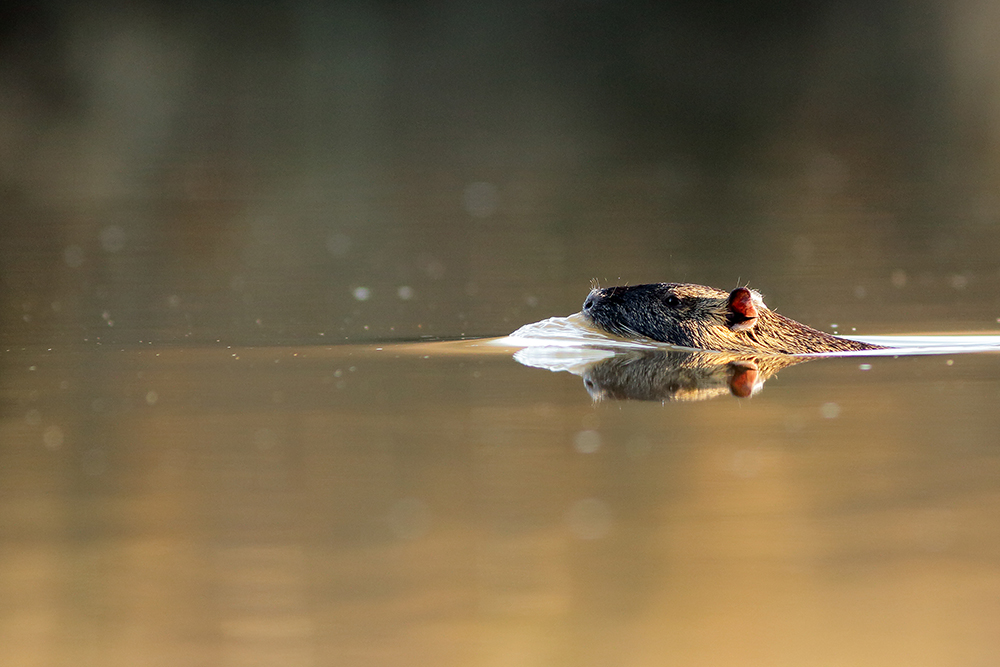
{"x": 672, "y": 301}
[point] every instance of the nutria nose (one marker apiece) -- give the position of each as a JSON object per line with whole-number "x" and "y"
{"x": 592, "y": 299}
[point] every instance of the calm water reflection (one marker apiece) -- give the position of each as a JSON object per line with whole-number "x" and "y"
{"x": 197, "y": 203}
{"x": 399, "y": 505}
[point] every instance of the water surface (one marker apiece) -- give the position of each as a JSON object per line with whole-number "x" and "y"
{"x": 400, "y": 504}
{"x": 239, "y": 250}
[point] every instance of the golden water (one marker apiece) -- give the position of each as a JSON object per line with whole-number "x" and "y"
{"x": 396, "y": 505}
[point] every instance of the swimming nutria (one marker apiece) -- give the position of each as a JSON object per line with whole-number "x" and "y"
{"x": 708, "y": 319}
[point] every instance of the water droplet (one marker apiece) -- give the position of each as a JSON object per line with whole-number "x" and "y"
{"x": 264, "y": 438}
{"x": 53, "y": 437}
{"x": 830, "y": 410}
{"x": 73, "y": 256}
{"x": 746, "y": 463}
{"x": 587, "y": 442}
{"x": 803, "y": 249}
{"x": 94, "y": 462}
{"x": 338, "y": 244}
{"x": 589, "y": 519}
{"x": 362, "y": 293}
{"x": 794, "y": 423}
{"x": 112, "y": 238}
{"x": 434, "y": 268}
{"x": 480, "y": 199}
{"x": 638, "y": 447}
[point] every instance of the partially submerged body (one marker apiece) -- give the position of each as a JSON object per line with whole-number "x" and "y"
{"x": 707, "y": 318}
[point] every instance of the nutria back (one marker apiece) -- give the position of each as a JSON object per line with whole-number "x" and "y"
{"x": 706, "y": 318}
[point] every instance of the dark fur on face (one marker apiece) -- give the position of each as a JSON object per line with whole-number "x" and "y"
{"x": 706, "y": 318}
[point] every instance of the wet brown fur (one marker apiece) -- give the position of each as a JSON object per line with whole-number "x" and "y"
{"x": 704, "y": 318}
{"x": 659, "y": 375}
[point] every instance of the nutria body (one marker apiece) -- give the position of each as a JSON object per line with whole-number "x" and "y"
{"x": 706, "y": 318}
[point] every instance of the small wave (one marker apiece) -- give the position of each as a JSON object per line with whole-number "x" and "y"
{"x": 576, "y": 331}
{"x": 926, "y": 344}
{"x": 572, "y": 331}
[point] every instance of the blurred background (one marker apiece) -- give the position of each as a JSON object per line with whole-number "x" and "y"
{"x": 300, "y": 172}
{"x": 180, "y": 181}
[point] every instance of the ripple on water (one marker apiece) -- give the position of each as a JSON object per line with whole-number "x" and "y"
{"x": 575, "y": 331}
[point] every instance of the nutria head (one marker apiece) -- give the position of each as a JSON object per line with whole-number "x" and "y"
{"x": 705, "y": 318}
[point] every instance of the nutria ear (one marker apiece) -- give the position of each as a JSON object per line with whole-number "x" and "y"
{"x": 742, "y": 311}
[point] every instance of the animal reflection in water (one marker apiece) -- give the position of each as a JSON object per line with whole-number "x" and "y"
{"x": 667, "y": 375}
